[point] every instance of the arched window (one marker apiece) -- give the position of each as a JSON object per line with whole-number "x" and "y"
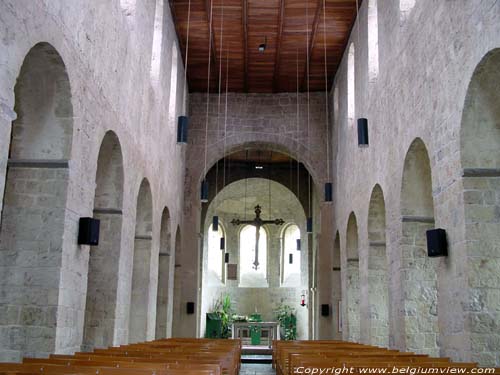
{"x": 173, "y": 84}
{"x": 249, "y": 275}
{"x": 372, "y": 40}
{"x": 157, "y": 43}
{"x": 215, "y": 254}
{"x": 405, "y": 7}
{"x": 351, "y": 108}
{"x": 291, "y": 256}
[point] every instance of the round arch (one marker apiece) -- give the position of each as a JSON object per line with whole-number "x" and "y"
{"x": 480, "y": 158}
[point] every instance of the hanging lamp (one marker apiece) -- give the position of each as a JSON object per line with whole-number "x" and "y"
{"x": 183, "y": 121}
{"x": 215, "y": 219}
{"x": 328, "y": 184}
{"x": 309, "y": 218}
{"x": 204, "y": 185}
{"x": 299, "y": 245}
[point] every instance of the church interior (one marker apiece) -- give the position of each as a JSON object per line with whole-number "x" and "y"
{"x": 249, "y": 186}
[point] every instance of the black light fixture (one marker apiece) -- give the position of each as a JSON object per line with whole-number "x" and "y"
{"x": 222, "y": 243}
{"x": 363, "y": 132}
{"x": 437, "y": 245}
{"x": 215, "y": 223}
{"x": 299, "y": 245}
{"x": 263, "y": 46}
{"x": 290, "y": 258}
{"x": 309, "y": 225}
{"x": 328, "y": 192}
{"x": 226, "y": 257}
{"x": 88, "y": 231}
{"x": 204, "y": 191}
{"x": 182, "y": 129}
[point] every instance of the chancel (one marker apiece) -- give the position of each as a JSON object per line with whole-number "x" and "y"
{"x": 257, "y": 222}
{"x": 138, "y": 139}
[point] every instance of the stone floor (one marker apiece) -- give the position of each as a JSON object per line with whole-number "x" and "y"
{"x": 256, "y": 369}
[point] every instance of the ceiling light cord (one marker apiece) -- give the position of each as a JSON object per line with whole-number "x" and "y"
{"x": 186, "y": 86}
{"x": 327, "y": 112}
{"x": 219, "y": 99}
{"x": 208, "y": 88}
{"x": 308, "y": 102}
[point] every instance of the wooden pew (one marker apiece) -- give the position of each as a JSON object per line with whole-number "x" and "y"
{"x": 161, "y": 357}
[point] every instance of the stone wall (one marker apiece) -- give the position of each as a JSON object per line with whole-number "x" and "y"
{"x": 428, "y": 51}
{"x": 106, "y": 54}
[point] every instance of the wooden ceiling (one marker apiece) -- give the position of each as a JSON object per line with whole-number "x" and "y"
{"x": 293, "y": 29}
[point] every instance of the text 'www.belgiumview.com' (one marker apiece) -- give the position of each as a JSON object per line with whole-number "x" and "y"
{"x": 408, "y": 370}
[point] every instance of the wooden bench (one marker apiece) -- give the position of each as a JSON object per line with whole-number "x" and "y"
{"x": 161, "y": 357}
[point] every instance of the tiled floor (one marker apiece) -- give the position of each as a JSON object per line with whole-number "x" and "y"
{"x": 256, "y": 369}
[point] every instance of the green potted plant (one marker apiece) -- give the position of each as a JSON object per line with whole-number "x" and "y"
{"x": 287, "y": 319}
{"x": 223, "y": 309}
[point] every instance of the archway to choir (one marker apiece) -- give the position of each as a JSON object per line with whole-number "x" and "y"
{"x": 279, "y": 276}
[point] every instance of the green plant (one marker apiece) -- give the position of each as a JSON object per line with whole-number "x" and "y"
{"x": 222, "y": 307}
{"x": 285, "y": 315}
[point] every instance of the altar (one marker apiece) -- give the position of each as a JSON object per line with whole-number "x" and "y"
{"x": 270, "y": 328}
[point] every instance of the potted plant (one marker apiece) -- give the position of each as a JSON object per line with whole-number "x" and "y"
{"x": 287, "y": 319}
{"x": 223, "y": 310}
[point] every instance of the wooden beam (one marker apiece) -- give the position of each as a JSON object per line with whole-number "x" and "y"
{"x": 277, "y": 59}
{"x": 212, "y": 42}
{"x": 312, "y": 40}
{"x": 244, "y": 7}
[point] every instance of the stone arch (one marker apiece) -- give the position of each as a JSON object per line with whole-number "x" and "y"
{"x": 102, "y": 279}
{"x": 353, "y": 286}
{"x": 418, "y": 270}
{"x": 34, "y": 203}
{"x": 480, "y": 154}
{"x": 164, "y": 270}
{"x": 177, "y": 308}
{"x": 337, "y": 286}
{"x": 265, "y": 142}
{"x": 377, "y": 270}
{"x": 141, "y": 264}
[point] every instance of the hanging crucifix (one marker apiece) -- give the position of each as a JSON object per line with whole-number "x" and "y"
{"x": 257, "y": 223}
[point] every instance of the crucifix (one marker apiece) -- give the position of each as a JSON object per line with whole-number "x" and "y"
{"x": 257, "y": 223}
